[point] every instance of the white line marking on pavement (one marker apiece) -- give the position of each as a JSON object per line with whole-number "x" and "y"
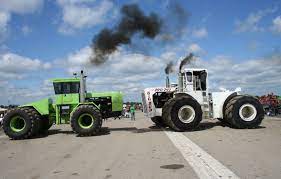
{"x": 202, "y": 163}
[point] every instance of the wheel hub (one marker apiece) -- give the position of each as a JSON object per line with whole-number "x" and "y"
{"x": 247, "y": 112}
{"x": 86, "y": 121}
{"x": 186, "y": 114}
{"x": 17, "y": 124}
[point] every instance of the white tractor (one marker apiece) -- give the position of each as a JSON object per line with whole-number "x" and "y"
{"x": 183, "y": 106}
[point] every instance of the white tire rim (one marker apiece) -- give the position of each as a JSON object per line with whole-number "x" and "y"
{"x": 247, "y": 112}
{"x": 186, "y": 114}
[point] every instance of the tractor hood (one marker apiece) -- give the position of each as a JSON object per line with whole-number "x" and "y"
{"x": 116, "y": 98}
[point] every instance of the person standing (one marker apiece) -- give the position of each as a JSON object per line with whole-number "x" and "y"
{"x": 132, "y": 111}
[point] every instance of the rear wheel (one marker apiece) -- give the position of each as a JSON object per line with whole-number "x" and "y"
{"x": 86, "y": 120}
{"x": 21, "y": 123}
{"x": 183, "y": 113}
{"x": 244, "y": 112}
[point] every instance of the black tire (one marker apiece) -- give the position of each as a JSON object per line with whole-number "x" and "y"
{"x": 171, "y": 110}
{"x": 86, "y": 125}
{"x": 26, "y": 125}
{"x": 158, "y": 121}
{"x": 250, "y": 120}
{"x": 165, "y": 112}
{"x": 223, "y": 120}
{"x": 45, "y": 124}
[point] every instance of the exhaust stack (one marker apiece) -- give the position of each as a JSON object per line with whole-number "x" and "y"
{"x": 168, "y": 85}
{"x": 180, "y": 81}
{"x": 82, "y": 91}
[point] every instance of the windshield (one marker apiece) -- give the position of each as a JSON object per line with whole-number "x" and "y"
{"x": 66, "y": 87}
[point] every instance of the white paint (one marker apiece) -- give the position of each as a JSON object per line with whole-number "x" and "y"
{"x": 202, "y": 163}
{"x": 218, "y": 102}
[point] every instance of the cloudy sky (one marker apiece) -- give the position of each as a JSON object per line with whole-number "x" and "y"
{"x": 239, "y": 42}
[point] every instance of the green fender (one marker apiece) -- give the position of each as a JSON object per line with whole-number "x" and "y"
{"x": 42, "y": 106}
{"x": 87, "y": 103}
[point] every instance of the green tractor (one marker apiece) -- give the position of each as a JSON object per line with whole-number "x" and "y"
{"x": 71, "y": 104}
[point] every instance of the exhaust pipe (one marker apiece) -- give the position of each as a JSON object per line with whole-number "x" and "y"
{"x": 82, "y": 91}
{"x": 180, "y": 81}
{"x": 168, "y": 85}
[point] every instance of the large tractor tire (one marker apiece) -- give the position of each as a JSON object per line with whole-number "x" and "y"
{"x": 182, "y": 113}
{"x": 223, "y": 120}
{"x": 244, "y": 112}
{"x": 158, "y": 121}
{"x": 21, "y": 123}
{"x": 86, "y": 120}
{"x": 45, "y": 124}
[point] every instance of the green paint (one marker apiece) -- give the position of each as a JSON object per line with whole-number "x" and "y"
{"x": 67, "y": 98}
{"x": 17, "y": 124}
{"x": 51, "y": 107}
{"x": 63, "y": 80}
{"x": 41, "y": 106}
{"x": 86, "y": 121}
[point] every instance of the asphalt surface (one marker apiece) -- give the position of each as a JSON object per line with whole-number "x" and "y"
{"x": 137, "y": 149}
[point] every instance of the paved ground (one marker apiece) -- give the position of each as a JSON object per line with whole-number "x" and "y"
{"x": 129, "y": 149}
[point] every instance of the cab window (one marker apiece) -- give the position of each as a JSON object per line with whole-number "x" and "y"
{"x": 66, "y": 87}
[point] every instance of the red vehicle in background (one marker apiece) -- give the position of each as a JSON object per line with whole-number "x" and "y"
{"x": 271, "y": 104}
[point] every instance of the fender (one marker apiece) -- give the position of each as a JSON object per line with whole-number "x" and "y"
{"x": 79, "y": 104}
{"x": 220, "y": 100}
{"x": 42, "y": 106}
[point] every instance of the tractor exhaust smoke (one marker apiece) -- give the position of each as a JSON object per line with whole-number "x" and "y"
{"x": 169, "y": 68}
{"x": 187, "y": 60}
{"x": 133, "y": 21}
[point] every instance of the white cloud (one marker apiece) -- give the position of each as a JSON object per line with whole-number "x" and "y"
{"x": 200, "y": 33}
{"x": 7, "y": 7}
{"x": 251, "y": 23}
{"x": 276, "y": 27}
{"x": 21, "y": 7}
{"x": 122, "y": 71}
{"x": 80, "y": 14}
{"x": 14, "y": 66}
{"x": 11, "y": 94}
{"x": 80, "y": 57}
{"x": 195, "y": 48}
{"x": 4, "y": 19}
{"x": 26, "y": 30}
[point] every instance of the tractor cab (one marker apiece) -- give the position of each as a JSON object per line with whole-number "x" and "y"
{"x": 66, "y": 97}
{"x": 192, "y": 79}
{"x": 67, "y": 90}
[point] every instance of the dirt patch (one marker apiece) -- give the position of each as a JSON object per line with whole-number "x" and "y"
{"x": 67, "y": 156}
{"x": 75, "y": 174}
{"x": 172, "y": 166}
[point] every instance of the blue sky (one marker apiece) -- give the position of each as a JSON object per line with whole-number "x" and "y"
{"x": 238, "y": 41}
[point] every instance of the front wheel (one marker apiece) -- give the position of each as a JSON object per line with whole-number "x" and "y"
{"x": 183, "y": 113}
{"x": 86, "y": 120}
{"x": 244, "y": 112}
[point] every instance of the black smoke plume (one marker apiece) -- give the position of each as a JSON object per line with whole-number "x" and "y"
{"x": 187, "y": 60}
{"x": 133, "y": 21}
{"x": 169, "y": 68}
